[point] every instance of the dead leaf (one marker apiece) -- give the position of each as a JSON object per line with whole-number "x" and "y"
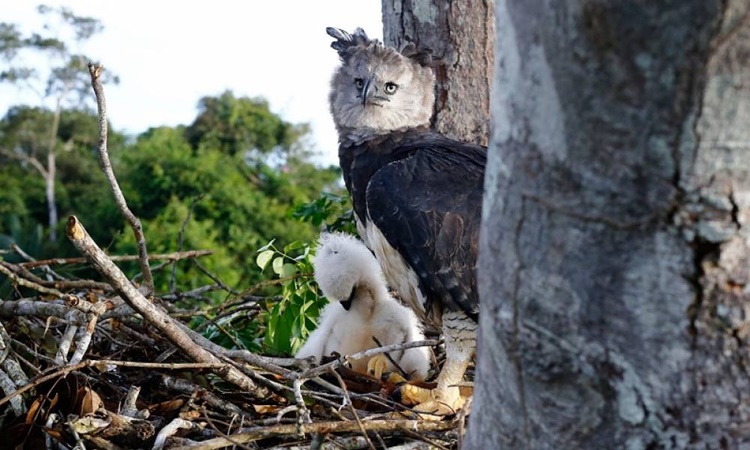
{"x": 267, "y": 409}
{"x": 90, "y": 401}
{"x": 33, "y": 409}
{"x": 167, "y": 406}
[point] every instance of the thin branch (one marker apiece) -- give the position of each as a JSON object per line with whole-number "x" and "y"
{"x": 26, "y": 283}
{"x": 27, "y": 159}
{"x": 63, "y": 371}
{"x": 135, "y": 223}
{"x": 155, "y": 315}
{"x": 257, "y": 433}
{"x": 180, "y": 237}
{"x": 168, "y": 256}
{"x": 351, "y": 408}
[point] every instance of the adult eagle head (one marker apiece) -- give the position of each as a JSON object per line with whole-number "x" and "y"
{"x": 417, "y": 194}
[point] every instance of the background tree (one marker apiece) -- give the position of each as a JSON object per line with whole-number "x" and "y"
{"x": 64, "y": 82}
{"x": 462, "y": 35}
{"x": 614, "y": 261}
{"x": 78, "y": 179}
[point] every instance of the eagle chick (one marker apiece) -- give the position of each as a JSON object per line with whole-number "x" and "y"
{"x": 361, "y": 310}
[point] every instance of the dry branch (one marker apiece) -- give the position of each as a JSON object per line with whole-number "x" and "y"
{"x": 151, "y": 312}
{"x": 176, "y": 256}
{"x": 135, "y": 223}
{"x": 27, "y": 283}
{"x": 254, "y": 434}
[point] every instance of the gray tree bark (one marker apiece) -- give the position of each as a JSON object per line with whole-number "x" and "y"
{"x": 461, "y": 34}
{"x": 615, "y": 269}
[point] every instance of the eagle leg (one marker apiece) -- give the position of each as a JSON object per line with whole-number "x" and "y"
{"x": 377, "y": 365}
{"x": 446, "y": 398}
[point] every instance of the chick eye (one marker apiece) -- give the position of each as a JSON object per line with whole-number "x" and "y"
{"x": 390, "y": 88}
{"x": 359, "y": 83}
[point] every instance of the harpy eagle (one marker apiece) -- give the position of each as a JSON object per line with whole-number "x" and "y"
{"x": 361, "y": 309}
{"x": 417, "y": 194}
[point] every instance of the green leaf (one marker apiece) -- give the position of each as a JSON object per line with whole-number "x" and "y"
{"x": 267, "y": 246}
{"x": 278, "y": 265}
{"x": 294, "y": 246}
{"x": 263, "y": 258}
{"x": 287, "y": 270}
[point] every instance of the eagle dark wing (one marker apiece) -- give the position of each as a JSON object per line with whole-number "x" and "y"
{"x": 428, "y": 205}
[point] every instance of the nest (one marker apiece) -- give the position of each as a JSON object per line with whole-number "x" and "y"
{"x": 80, "y": 365}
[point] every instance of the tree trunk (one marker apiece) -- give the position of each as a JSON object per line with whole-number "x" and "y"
{"x": 614, "y": 268}
{"x": 460, "y": 33}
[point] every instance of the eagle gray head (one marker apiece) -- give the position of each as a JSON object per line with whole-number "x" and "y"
{"x": 378, "y": 89}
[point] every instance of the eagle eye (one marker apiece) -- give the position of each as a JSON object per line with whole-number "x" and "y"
{"x": 359, "y": 83}
{"x": 390, "y": 88}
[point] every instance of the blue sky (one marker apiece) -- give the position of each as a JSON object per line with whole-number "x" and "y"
{"x": 168, "y": 54}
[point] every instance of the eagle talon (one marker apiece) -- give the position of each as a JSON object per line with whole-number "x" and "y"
{"x": 410, "y": 395}
{"x": 376, "y": 366}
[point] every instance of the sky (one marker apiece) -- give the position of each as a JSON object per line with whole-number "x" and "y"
{"x": 168, "y": 54}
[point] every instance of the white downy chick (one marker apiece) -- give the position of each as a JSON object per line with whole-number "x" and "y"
{"x": 361, "y": 308}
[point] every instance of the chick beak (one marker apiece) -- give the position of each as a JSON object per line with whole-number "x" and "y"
{"x": 348, "y": 302}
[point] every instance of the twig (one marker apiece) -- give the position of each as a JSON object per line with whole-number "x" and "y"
{"x": 215, "y": 278}
{"x": 186, "y": 387}
{"x": 95, "y": 71}
{"x": 26, "y": 307}
{"x": 171, "y": 429}
{"x": 194, "y": 293}
{"x": 215, "y": 428}
{"x": 78, "y": 260}
{"x": 8, "y": 386}
{"x": 63, "y": 371}
{"x": 158, "y": 317}
{"x": 26, "y": 283}
{"x": 304, "y": 413}
{"x": 257, "y": 433}
{"x": 64, "y": 347}
{"x": 129, "y": 409}
{"x": 84, "y": 341}
{"x": 50, "y": 273}
{"x": 180, "y": 236}
{"x": 351, "y": 408}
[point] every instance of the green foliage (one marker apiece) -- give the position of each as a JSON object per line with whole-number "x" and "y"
{"x": 24, "y": 131}
{"x": 240, "y": 125}
{"x": 240, "y": 208}
{"x": 331, "y": 211}
{"x": 291, "y": 319}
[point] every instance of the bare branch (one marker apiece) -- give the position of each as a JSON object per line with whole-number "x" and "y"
{"x": 26, "y": 283}
{"x": 180, "y": 237}
{"x": 257, "y": 433}
{"x": 135, "y": 223}
{"x": 168, "y": 256}
{"x": 351, "y": 408}
{"x": 27, "y": 159}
